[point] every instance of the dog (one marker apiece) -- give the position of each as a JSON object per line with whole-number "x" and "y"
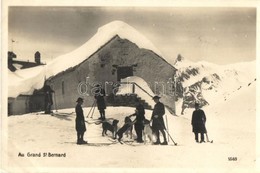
{"x": 106, "y": 126}
{"x": 129, "y": 131}
{"x": 147, "y": 132}
{"x": 127, "y": 128}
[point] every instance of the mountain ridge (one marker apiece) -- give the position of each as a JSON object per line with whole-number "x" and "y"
{"x": 203, "y": 81}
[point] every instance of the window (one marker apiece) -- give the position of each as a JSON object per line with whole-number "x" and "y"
{"x": 123, "y": 72}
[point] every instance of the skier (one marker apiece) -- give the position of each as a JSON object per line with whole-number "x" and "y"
{"x": 157, "y": 121}
{"x": 99, "y": 96}
{"x": 80, "y": 122}
{"x": 198, "y": 123}
{"x": 48, "y": 98}
{"x": 139, "y": 113}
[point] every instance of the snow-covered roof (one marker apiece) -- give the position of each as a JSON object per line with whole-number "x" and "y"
{"x": 64, "y": 62}
{"x": 103, "y": 35}
{"x": 25, "y": 81}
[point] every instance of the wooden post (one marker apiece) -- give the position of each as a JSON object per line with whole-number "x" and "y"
{"x": 133, "y": 88}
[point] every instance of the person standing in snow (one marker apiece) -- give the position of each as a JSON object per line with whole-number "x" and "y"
{"x": 157, "y": 121}
{"x": 100, "y": 100}
{"x": 139, "y": 113}
{"x": 198, "y": 123}
{"x": 48, "y": 98}
{"x": 80, "y": 122}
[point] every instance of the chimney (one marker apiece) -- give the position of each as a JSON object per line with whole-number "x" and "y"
{"x": 11, "y": 55}
{"x": 37, "y": 57}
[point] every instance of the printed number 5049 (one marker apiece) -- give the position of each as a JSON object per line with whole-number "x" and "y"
{"x": 232, "y": 158}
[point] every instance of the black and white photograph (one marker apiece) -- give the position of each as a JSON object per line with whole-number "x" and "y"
{"x": 130, "y": 88}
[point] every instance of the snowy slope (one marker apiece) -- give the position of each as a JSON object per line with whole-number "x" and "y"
{"x": 103, "y": 35}
{"x": 240, "y": 72}
{"x": 211, "y": 81}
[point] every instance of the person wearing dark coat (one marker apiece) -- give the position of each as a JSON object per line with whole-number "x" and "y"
{"x": 80, "y": 122}
{"x": 100, "y": 101}
{"x": 139, "y": 113}
{"x": 198, "y": 123}
{"x": 48, "y": 98}
{"x": 157, "y": 121}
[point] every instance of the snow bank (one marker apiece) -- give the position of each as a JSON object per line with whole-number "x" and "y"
{"x": 63, "y": 62}
{"x": 127, "y": 89}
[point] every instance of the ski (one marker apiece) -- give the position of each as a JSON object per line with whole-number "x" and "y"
{"x": 130, "y": 143}
{"x": 93, "y": 143}
{"x": 39, "y": 113}
{"x": 210, "y": 141}
{"x": 97, "y": 144}
{"x": 97, "y": 121}
{"x": 115, "y": 141}
{"x": 62, "y": 113}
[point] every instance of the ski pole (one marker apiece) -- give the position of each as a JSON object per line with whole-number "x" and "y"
{"x": 167, "y": 126}
{"x": 207, "y": 134}
{"x": 171, "y": 137}
{"x": 91, "y": 108}
{"x": 168, "y": 134}
{"x": 208, "y": 137}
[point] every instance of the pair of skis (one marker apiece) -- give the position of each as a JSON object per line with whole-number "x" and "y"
{"x": 116, "y": 141}
{"x": 56, "y": 113}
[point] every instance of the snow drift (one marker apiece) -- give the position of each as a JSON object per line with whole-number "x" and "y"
{"x": 125, "y": 89}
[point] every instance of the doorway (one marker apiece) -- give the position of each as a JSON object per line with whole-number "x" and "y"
{"x": 123, "y": 72}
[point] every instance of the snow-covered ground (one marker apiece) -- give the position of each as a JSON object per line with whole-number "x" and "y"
{"x": 230, "y": 123}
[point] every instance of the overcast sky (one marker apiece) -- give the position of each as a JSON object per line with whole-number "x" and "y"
{"x": 218, "y": 35}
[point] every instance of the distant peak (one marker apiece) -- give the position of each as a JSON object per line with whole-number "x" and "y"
{"x": 180, "y": 58}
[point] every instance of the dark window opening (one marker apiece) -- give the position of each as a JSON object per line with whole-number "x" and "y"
{"x": 123, "y": 72}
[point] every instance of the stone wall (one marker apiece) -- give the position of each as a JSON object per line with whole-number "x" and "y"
{"x": 102, "y": 66}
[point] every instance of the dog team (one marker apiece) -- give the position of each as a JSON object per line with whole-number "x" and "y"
{"x": 140, "y": 123}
